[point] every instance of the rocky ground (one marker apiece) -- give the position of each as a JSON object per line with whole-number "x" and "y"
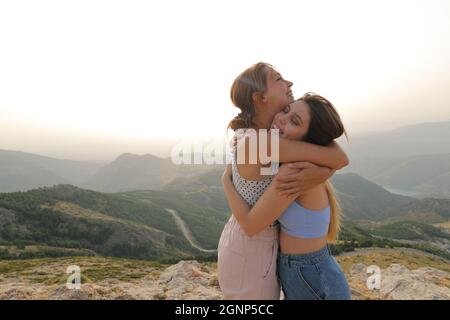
{"x": 400, "y": 283}
{"x": 103, "y": 279}
{"x": 417, "y": 277}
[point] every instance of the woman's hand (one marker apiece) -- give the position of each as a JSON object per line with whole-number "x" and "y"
{"x": 309, "y": 176}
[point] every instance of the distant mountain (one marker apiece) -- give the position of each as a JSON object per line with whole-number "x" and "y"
{"x": 132, "y": 172}
{"x": 424, "y": 175}
{"x": 365, "y": 200}
{"x": 141, "y": 172}
{"x": 20, "y": 171}
{"x": 412, "y": 160}
{"x": 420, "y": 139}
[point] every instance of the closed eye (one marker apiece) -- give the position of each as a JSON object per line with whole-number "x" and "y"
{"x": 298, "y": 119}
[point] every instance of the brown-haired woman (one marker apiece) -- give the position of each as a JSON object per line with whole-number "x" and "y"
{"x": 305, "y": 266}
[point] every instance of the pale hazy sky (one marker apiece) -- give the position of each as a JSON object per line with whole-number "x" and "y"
{"x": 92, "y": 79}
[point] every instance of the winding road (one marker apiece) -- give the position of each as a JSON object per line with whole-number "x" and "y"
{"x": 186, "y": 232}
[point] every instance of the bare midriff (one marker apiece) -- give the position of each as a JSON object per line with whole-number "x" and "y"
{"x": 296, "y": 245}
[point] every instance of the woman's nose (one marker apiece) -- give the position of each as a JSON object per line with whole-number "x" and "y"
{"x": 289, "y": 83}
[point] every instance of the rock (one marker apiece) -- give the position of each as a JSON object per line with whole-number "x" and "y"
{"x": 86, "y": 292}
{"x": 431, "y": 274}
{"x": 189, "y": 280}
{"x": 358, "y": 269}
{"x": 400, "y": 283}
{"x": 17, "y": 294}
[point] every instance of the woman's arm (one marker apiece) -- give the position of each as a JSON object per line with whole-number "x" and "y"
{"x": 268, "y": 208}
{"x": 309, "y": 177}
{"x": 331, "y": 156}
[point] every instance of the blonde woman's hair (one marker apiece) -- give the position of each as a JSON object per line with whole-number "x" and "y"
{"x": 336, "y": 213}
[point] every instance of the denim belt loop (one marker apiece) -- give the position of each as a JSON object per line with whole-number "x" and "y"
{"x": 329, "y": 250}
{"x": 289, "y": 260}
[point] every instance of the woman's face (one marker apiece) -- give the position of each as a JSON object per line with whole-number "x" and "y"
{"x": 293, "y": 121}
{"x": 278, "y": 93}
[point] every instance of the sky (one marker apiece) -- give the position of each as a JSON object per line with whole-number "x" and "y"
{"x": 89, "y": 80}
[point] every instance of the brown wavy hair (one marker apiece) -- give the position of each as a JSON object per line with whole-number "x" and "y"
{"x": 325, "y": 126}
{"x": 252, "y": 80}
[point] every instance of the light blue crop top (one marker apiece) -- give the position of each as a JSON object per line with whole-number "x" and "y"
{"x": 305, "y": 223}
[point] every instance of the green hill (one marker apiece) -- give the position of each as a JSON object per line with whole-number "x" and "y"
{"x": 68, "y": 217}
{"x": 362, "y": 199}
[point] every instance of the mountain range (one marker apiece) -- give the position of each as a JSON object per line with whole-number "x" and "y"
{"x": 412, "y": 140}
{"x": 412, "y": 160}
{"x": 67, "y": 220}
{"x": 143, "y": 206}
{"x": 21, "y": 171}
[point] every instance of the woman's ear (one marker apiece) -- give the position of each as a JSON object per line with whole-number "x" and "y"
{"x": 258, "y": 97}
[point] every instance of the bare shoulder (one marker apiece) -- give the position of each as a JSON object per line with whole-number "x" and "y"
{"x": 248, "y": 164}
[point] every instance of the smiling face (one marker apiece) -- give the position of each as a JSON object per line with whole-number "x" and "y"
{"x": 259, "y": 92}
{"x": 278, "y": 93}
{"x": 293, "y": 121}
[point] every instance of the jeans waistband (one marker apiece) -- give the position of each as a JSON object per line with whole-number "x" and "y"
{"x": 306, "y": 258}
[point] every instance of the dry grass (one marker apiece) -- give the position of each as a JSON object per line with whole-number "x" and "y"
{"x": 49, "y": 271}
{"x": 385, "y": 259}
{"x": 443, "y": 225}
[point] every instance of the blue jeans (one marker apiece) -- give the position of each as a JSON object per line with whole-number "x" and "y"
{"x": 312, "y": 276}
